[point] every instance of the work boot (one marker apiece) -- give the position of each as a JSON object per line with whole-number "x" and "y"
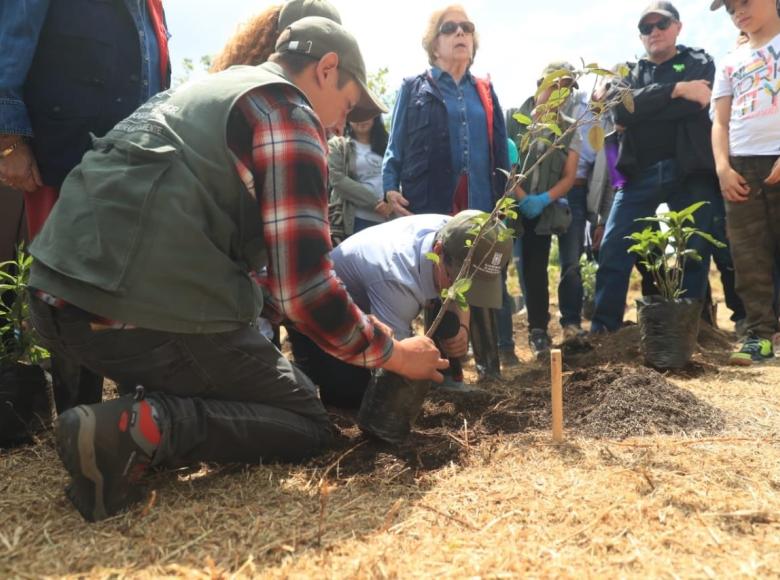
{"x": 540, "y": 343}
{"x": 573, "y": 333}
{"x": 106, "y": 448}
{"x": 508, "y": 358}
{"x": 484, "y": 340}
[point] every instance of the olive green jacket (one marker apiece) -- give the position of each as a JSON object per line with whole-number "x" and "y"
{"x": 155, "y": 227}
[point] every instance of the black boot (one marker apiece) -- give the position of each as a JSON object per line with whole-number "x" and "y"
{"x": 484, "y": 342}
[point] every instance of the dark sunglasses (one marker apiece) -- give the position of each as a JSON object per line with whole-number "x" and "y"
{"x": 450, "y": 27}
{"x": 663, "y": 24}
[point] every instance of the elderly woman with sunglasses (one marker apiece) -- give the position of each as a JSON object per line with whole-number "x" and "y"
{"x": 448, "y": 139}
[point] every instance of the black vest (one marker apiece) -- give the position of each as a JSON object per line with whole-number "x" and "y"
{"x": 85, "y": 77}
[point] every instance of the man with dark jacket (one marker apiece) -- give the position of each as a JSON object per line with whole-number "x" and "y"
{"x": 69, "y": 69}
{"x": 666, "y": 156}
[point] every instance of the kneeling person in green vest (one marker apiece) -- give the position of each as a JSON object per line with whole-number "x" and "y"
{"x": 143, "y": 272}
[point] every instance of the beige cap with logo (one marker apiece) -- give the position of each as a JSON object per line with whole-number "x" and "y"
{"x": 316, "y": 36}
{"x": 490, "y": 256}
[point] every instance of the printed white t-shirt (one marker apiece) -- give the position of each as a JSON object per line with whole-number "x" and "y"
{"x": 751, "y": 76}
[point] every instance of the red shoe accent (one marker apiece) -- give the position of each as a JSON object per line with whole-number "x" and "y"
{"x": 123, "y": 421}
{"x": 147, "y": 425}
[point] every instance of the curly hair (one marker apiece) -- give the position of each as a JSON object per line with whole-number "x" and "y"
{"x": 432, "y": 31}
{"x": 253, "y": 43}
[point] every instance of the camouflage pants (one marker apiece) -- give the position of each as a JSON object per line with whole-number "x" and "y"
{"x": 754, "y": 234}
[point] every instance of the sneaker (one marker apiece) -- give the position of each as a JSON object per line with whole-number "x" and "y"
{"x": 540, "y": 343}
{"x": 754, "y": 349}
{"x": 106, "y": 448}
{"x": 508, "y": 358}
{"x": 573, "y": 333}
{"x": 740, "y": 328}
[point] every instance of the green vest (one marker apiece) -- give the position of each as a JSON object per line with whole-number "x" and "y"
{"x": 155, "y": 227}
{"x": 550, "y": 170}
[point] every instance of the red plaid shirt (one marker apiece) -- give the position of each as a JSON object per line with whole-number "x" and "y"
{"x": 280, "y": 150}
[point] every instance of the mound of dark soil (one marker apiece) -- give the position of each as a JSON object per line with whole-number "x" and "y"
{"x": 618, "y": 402}
{"x": 622, "y": 347}
{"x": 601, "y": 402}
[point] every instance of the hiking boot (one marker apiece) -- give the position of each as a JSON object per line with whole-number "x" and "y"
{"x": 753, "y": 350}
{"x": 508, "y": 358}
{"x": 106, "y": 448}
{"x": 573, "y": 333}
{"x": 540, "y": 343}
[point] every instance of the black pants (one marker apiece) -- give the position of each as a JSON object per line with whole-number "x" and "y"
{"x": 225, "y": 397}
{"x": 341, "y": 384}
{"x": 535, "y": 260}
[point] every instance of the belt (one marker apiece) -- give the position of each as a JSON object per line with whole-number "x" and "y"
{"x": 580, "y": 182}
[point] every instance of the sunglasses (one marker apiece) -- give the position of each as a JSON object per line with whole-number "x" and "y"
{"x": 646, "y": 29}
{"x": 450, "y": 27}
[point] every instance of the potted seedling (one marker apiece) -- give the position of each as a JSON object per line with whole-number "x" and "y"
{"x": 24, "y": 393}
{"x": 669, "y": 321}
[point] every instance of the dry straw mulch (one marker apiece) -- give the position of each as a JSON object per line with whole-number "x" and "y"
{"x": 674, "y": 475}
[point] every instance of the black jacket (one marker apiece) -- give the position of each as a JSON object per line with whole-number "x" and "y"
{"x": 652, "y": 90}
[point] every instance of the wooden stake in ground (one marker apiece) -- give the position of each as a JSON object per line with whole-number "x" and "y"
{"x": 556, "y": 370}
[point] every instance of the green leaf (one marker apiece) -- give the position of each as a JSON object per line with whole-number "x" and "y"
{"x": 462, "y": 286}
{"x": 596, "y": 137}
{"x": 602, "y": 72}
{"x": 433, "y": 257}
{"x": 522, "y": 119}
{"x": 710, "y": 239}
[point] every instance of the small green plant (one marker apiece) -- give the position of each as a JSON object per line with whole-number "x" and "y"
{"x": 588, "y": 270}
{"x": 664, "y": 250}
{"x": 543, "y": 129}
{"x": 18, "y": 340}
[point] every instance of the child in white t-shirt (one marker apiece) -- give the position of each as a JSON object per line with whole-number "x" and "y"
{"x": 746, "y": 144}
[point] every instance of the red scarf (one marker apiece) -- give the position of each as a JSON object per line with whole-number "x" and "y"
{"x": 157, "y": 17}
{"x": 460, "y": 199}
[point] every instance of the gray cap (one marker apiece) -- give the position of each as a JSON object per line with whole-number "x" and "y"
{"x": 663, "y": 8}
{"x": 716, "y": 4}
{"x": 297, "y": 9}
{"x": 316, "y": 36}
{"x": 490, "y": 256}
{"x": 560, "y": 66}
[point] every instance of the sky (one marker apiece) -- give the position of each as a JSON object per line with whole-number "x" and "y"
{"x": 517, "y": 39}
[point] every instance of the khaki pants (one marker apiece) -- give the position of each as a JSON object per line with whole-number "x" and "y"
{"x": 754, "y": 234}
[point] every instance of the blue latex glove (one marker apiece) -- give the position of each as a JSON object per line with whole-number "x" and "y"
{"x": 532, "y": 206}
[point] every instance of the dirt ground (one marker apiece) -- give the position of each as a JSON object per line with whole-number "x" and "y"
{"x": 671, "y": 474}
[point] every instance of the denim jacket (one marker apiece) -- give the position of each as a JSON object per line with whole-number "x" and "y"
{"x": 71, "y": 67}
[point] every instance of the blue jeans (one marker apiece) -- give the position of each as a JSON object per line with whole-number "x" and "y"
{"x": 361, "y": 224}
{"x": 640, "y": 198}
{"x": 570, "y": 248}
